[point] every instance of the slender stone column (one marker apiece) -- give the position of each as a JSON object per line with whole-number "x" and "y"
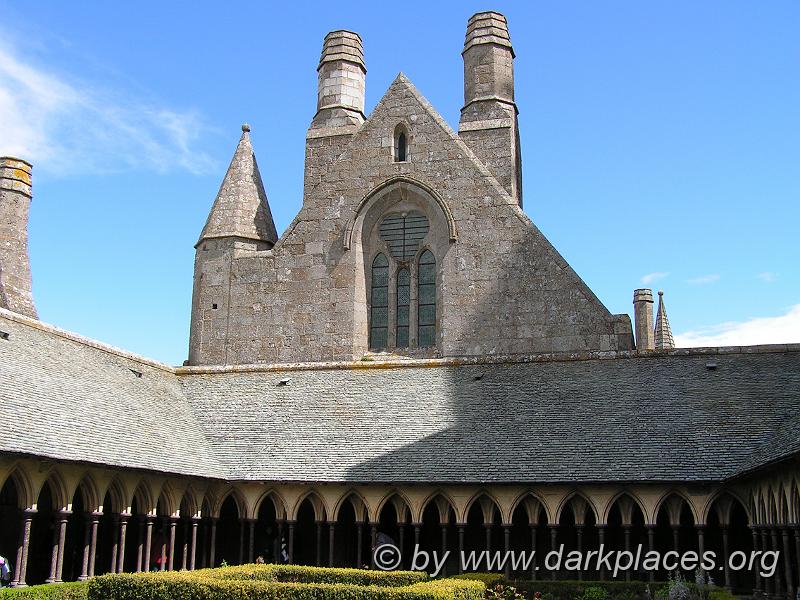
{"x": 787, "y": 563}
{"x": 507, "y": 548}
{"x": 53, "y": 555}
{"x": 359, "y": 543}
{"x": 319, "y": 543}
{"x": 797, "y": 547}
{"x": 488, "y": 528}
{"x": 213, "y": 551}
{"x": 23, "y": 547}
{"x": 193, "y": 555}
{"x": 775, "y": 546}
{"x": 725, "y": 556}
{"x": 242, "y": 522}
{"x": 580, "y": 548}
{"x": 756, "y": 539}
{"x": 701, "y": 538}
{"x": 461, "y": 528}
{"x": 417, "y": 530}
{"x": 651, "y": 546}
{"x": 627, "y": 531}
{"x": 123, "y": 526}
{"x": 402, "y": 542}
{"x": 443, "y": 527}
{"x": 768, "y": 581}
{"x": 140, "y": 545}
{"x": 331, "y": 533}
{"x": 675, "y": 538}
{"x": 291, "y": 542}
{"x": 279, "y": 542}
{"x": 87, "y": 539}
{"x": 63, "y": 518}
{"x": 533, "y": 549}
{"x": 95, "y": 518}
{"x": 171, "y": 561}
{"x": 601, "y": 536}
{"x": 553, "y": 542}
{"x": 114, "y": 543}
{"x": 148, "y": 543}
{"x": 251, "y": 541}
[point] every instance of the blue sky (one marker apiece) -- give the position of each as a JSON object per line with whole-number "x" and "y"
{"x": 660, "y": 140}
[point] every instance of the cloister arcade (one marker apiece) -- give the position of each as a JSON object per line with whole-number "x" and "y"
{"x": 65, "y": 523}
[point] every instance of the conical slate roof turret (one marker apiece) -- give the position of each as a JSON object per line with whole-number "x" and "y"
{"x": 241, "y": 209}
{"x": 663, "y": 333}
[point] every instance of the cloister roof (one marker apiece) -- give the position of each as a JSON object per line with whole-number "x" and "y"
{"x": 679, "y": 415}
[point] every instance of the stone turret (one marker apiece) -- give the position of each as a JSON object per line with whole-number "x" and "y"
{"x": 489, "y": 118}
{"x": 643, "y": 319}
{"x": 341, "y": 86}
{"x": 663, "y": 332}
{"x": 15, "y": 201}
{"x": 240, "y": 221}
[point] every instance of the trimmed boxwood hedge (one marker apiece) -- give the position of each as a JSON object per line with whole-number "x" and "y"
{"x": 569, "y": 590}
{"x": 280, "y": 582}
{"x": 53, "y": 591}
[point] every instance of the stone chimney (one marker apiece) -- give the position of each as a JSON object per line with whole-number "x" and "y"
{"x": 488, "y": 122}
{"x": 341, "y": 86}
{"x": 15, "y": 201}
{"x": 643, "y": 319}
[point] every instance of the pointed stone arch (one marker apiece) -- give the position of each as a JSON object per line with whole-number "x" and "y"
{"x": 278, "y": 502}
{"x": 489, "y": 504}
{"x": 146, "y": 500}
{"x": 396, "y": 497}
{"x": 117, "y": 493}
{"x": 675, "y": 493}
{"x": 317, "y": 502}
{"x": 89, "y": 491}
{"x": 433, "y": 496}
{"x": 22, "y": 485}
{"x": 238, "y": 499}
{"x": 58, "y": 490}
{"x": 360, "y": 505}
{"x": 721, "y": 495}
{"x": 533, "y": 504}
{"x": 575, "y": 498}
{"x": 634, "y": 498}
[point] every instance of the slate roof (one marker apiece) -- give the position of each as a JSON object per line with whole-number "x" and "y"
{"x": 604, "y": 417}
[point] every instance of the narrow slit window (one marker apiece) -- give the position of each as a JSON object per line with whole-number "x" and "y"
{"x": 403, "y": 302}
{"x": 426, "y": 300}
{"x": 400, "y": 144}
{"x": 379, "y": 304}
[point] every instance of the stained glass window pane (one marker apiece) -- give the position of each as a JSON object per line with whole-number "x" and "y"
{"x": 403, "y": 234}
{"x": 403, "y": 300}
{"x": 426, "y": 300}
{"x": 379, "y": 304}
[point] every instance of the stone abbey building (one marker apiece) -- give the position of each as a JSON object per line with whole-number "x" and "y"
{"x": 411, "y": 357}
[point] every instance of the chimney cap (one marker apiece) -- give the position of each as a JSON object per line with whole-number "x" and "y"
{"x": 642, "y": 295}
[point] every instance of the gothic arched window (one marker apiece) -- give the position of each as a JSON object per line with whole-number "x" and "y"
{"x": 379, "y": 304}
{"x": 400, "y": 144}
{"x": 426, "y": 300}
{"x": 403, "y": 306}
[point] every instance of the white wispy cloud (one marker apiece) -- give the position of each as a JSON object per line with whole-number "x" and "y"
{"x": 783, "y": 329}
{"x": 653, "y": 277}
{"x": 64, "y": 125}
{"x": 767, "y": 276}
{"x": 703, "y": 279}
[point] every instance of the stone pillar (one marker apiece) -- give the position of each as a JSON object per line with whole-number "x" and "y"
{"x": 580, "y": 548}
{"x": 507, "y": 548}
{"x": 627, "y": 531}
{"x": 533, "y": 549}
{"x": 725, "y": 556}
{"x": 193, "y": 555}
{"x": 797, "y": 547}
{"x": 787, "y": 563}
{"x": 776, "y": 546}
{"x": 63, "y": 518}
{"x": 461, "y": 527}
{"x": 279, "y": 542}
{"x": 291, "y": 542}
{"x": 114, "y": 542}
{"x": 171, "y": 559}
{"x": 87, "y": 539}
{"x": 768, "y": 581}
{"x": 241, "y": 539}
{"x": 319, "y": 543}
{"x": 601, "y": 536}
{"x": 213, "y": 551}
{"x": 756, "y": 539}
{"x": 643, "y": 319}
{"x": 444, "y": 546}
{"x": 163, "y": 550}
{"x": 488, "y": 528}
{"x": 252, "y": 541}
{"x": 140, "y": 544}
{"x": 331, "y": 533}
{"x": 23, "y": 547}
{"x": 95, "y": 519}
{"x": 359, "y": 543}
{"x": 651, "y": 546}
{"x": 123, "y": 526}
{"x": 553, "y": 542}
{"x": 417, "y": 529}
{"x": 148, "y": 543}
{"x": 185, "y": 545}
{"x": 675, "y": 538}
{"x": 701, "y": 540}
{"x": 402, "y": 528}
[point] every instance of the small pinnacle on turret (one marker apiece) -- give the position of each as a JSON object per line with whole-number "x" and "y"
{"x": 246, "y": 127}
{"x": 663, "y": 332}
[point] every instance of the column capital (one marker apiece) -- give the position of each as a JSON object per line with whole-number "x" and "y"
{"x": 601, "y": 525}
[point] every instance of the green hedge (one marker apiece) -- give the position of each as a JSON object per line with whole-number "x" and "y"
{"x": 279, "y": 582}
{"x": 488, "y": 579}
{"x": 569, "y": 590}
{"x": 53, "y": 591}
